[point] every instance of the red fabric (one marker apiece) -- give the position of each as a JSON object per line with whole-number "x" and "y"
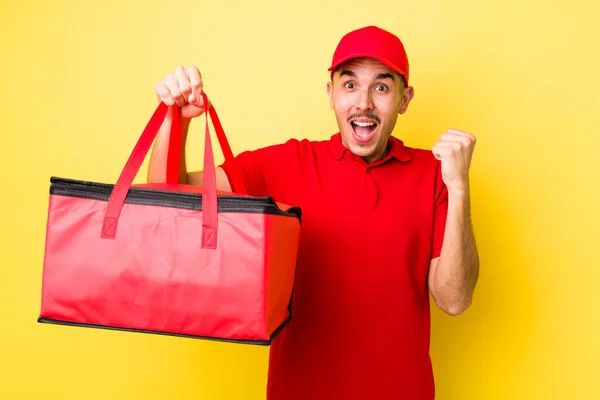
{"x": 156, "y": 276}
{"x": 372, "y": 42}
{"x": 162, "y": 267}
{"x": 174, "y": 151}
{"x": 360, "y": 324}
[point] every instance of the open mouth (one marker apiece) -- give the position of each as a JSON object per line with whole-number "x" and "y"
{"x": 363, "y": 130}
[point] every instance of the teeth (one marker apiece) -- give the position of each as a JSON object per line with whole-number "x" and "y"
{"x": 363, "y": 123}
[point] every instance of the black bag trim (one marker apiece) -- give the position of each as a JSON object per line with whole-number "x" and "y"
{"x": 165, "y": 198}
{"x": 53, "y": 321}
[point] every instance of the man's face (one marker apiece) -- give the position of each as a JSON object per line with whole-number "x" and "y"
{"x": 367, "y": 97}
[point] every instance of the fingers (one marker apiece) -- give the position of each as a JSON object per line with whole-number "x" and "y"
{"x": 168, "y": 91}
{"x": 174, "y": 90}
{"x": 195, "y": 80}
{"x": 183, "y": 83}
{"x": 465, "y": 137}
{"x": 182, "y": 86}
{"x": 455, "y": 136}
{"x": 455, "y": 144}
{"x": 441, "y": 150}
{"x": 453, "y": 141}
{"x": 163, "y": 94}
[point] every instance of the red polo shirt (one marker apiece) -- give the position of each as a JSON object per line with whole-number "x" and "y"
{"x": 360, "y": 325}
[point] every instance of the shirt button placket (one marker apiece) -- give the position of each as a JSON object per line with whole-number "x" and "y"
{"x": 370, "y": 195}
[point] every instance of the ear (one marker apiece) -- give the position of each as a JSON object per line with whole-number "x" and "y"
{"x": 330, "y": 93}
{"x": 407, "y": 95}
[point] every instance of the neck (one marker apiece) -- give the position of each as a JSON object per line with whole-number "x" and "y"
{"x": 379, "y": 154}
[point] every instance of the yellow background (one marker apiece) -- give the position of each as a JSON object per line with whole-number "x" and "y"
{"x": 77, "y": 87}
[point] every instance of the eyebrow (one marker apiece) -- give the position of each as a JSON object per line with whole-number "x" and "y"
{"x": 385, "y": 75}
{"x": 347, "y": 72}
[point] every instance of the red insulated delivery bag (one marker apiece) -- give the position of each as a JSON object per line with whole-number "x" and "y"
{"x": 168, "y": 258}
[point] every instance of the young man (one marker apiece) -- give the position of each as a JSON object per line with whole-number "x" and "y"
{"x": 384, "y": 225}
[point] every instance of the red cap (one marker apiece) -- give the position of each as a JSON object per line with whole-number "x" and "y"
{"x": 372, "y": 42}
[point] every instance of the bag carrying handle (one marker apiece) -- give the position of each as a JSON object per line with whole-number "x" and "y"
{"x": 174, "y": 154}
{"x": 137, "y": 156}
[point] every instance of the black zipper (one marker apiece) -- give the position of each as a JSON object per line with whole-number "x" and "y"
{"x": 165, "y": 198}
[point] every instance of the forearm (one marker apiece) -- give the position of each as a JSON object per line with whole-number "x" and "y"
{"x": 455, "y": 275}
{"x": 157, "y": 168}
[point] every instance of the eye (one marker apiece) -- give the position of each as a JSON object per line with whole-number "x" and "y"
{"x": 381, "y": 88}
{"x": 349, "y": 85}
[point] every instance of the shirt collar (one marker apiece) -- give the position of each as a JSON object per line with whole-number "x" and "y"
{"x": 397, "y": 149}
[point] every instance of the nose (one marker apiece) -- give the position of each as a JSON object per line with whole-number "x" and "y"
{"x": 364, "y": 100}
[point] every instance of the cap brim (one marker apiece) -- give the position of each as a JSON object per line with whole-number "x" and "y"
{"x": 382, "y": 60}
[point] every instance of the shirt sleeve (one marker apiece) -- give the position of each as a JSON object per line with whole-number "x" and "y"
{"x": 259, "y": 169}
{"x": 440, "y": 213}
